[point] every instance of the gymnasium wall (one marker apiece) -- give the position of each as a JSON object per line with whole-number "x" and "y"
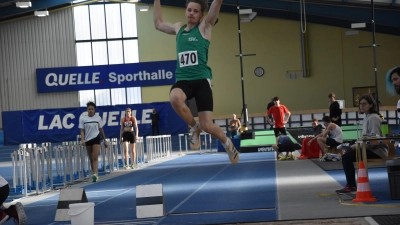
{"x": 337, "y": 64}
{"x": 336, "y": 61}
{"x": 30, "y": 43}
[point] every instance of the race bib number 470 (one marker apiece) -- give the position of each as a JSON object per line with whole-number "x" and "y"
{"x": 188, "y": 58}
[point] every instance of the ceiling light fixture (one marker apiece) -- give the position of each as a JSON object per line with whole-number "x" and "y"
{"x": 25, "y": 4}
{"x": 42, "y": 13}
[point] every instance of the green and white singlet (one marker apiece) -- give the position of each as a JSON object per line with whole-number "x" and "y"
{"x": 192, "y": 55}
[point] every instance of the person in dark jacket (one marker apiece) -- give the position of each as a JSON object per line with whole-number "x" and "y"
{"x": 155, "y": 118}
{"x": 335, "y": 112}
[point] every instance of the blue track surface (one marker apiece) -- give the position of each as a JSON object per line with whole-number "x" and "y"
{"x": 198, "y": 189}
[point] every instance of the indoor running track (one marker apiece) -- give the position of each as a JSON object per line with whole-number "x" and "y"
{"x": 198, "y": 189}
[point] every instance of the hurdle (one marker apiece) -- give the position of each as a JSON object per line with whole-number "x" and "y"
{"x": 205, "y": 142}
{"x": 32, "y": 165}
{"x": 32, "y": 169}
{"x": 202, "y": 134}
{"x": 180, "y": 143}
{"x": 46, "y": 146}
{"x": 21, "y": 168}
{"x": 158, "y": 147}
{"x": 40, "y": 169}
{"x": 140, "y": 152}
{"x": 102, "y": 158}
{"x": 114, "y": 154}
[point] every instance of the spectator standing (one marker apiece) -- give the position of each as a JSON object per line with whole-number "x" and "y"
{"x": 335, "y": 112}
{"x": 278, "y": 112}
{"x": 155, "y": 118}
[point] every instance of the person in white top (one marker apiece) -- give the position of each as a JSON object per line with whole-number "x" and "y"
{"x": 332, "y": 135}
{"x": 91, "y": 127}
{"x": 14, "y": 211}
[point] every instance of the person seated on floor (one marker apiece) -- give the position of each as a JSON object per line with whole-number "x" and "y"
{"x": 309, "y": 147}
{"x": 332, "y": 135}
{"x": 284, "y": 144}
{"x": 14, "y": 211}
{"x": 371, "y": 127}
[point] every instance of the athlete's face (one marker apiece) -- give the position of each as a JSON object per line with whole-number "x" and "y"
{"x": 314, "y": 123}
{"x": 365, "y": 107}
{"x": 128, "y": 112}
{"x": 90, "y": 110}
{"x": 193, "y": 13}
{"x": 395, "y": 78}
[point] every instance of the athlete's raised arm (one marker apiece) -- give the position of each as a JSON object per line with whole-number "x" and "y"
{"x": 213, "y": 13}
{"x": 159, "y": 22}
{"x": 211, "y": 18}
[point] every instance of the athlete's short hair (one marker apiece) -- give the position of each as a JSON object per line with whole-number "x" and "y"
{"x": 90, "y": 103}
{"x": 203, "y": 4}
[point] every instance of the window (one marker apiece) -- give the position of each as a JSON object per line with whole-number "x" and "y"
{"x": 106, "y": 34}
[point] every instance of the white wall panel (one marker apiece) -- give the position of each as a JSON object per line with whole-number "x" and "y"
{"x": 32, "y": 43}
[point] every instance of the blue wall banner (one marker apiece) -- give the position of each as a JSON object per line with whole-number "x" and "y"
{"x": 58, "y": 125}
{"x": 106, "y": 76}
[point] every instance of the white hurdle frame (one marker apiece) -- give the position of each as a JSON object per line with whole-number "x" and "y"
{"x": 202, "y": 134}
{"x": 205, "y": 142}
{"x": 180, "y": 143}
{"x": 139, "y": 152}
{"x": 158, "y": 147}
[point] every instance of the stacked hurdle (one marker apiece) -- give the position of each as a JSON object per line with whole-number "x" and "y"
{"x": 21, "y": 167}
{"x": 33, "y": 165}
{"x": 158, "y": 147}
{"x": 32, "y": 169}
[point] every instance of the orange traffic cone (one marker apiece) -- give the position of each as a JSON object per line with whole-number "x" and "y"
{"x": 364, "y": 193}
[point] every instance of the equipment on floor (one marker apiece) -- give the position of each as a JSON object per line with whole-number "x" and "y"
{"x": 67, "y": 197}
{"x": 149, "y": 201}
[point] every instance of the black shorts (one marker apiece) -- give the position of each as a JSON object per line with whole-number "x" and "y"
{"x": 332, "y": 142}
{"x": 279, "y": 131}
{"x": 94, "y": 141}
{"x": 200, "y": 90}
{"x": 128, "y": 136}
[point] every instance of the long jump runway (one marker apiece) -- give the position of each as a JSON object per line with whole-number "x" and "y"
{"x": 198, "y": 189}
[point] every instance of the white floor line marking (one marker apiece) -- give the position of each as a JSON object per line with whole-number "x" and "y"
{"x": 145, "y": 183}
{"x": 174, "y": 171}
{"x": 106, "y": 191}
{"x": 204, "y": 184}
{"x": 115, "y": 196}
{"x": 371, "y": 221}
{"x": 187, "y": 198}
